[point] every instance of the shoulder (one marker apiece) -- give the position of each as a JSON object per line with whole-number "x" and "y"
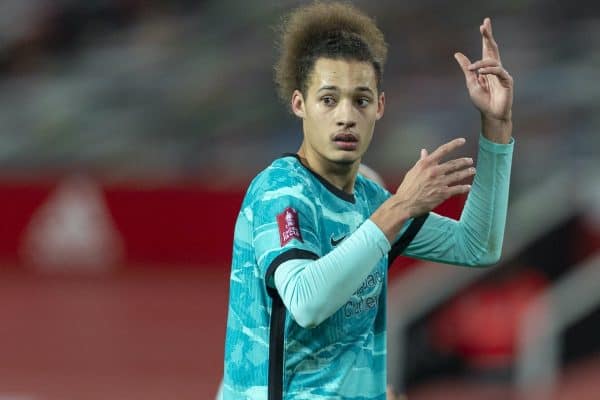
{"x": 284, "y": 177}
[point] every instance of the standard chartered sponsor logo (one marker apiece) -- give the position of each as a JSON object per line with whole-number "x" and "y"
{"x": 371, "y": 281}
{"x": 356, "y": 306}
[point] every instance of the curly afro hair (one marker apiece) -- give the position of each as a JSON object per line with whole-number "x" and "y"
{"x": 325, "y": 29}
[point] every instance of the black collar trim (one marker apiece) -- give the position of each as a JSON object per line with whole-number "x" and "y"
{"x": 338, "y": 192}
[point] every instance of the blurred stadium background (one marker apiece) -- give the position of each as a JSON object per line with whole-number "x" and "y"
{"x": 129, "y": 130}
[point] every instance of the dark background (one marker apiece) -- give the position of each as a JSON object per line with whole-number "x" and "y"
{"x": 129, "y": 130}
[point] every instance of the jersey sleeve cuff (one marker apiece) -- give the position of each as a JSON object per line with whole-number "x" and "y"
{"x": 499, "y": 148}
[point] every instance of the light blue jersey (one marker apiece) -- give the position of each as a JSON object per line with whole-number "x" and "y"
{"x": 290, "y": 213}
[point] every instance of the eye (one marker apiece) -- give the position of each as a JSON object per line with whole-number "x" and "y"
{"x": 329, "y": 101}
{"x": 363, "y": 101}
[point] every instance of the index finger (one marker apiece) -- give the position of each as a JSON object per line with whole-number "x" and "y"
{"x": 489, "y": 47}
{"x": 446, "y": 148}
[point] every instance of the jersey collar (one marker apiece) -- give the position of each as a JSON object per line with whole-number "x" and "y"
{"x": 334, "y": 190}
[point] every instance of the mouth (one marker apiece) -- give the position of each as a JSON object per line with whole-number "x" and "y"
{"x": 346, "y": 141}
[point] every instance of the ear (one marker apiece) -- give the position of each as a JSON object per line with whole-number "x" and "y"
{"x": 298, "y": 103}
{"x": 380, "y": 105}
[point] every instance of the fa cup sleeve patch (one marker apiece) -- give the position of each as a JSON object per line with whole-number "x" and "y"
{"x": 289, "y": 226}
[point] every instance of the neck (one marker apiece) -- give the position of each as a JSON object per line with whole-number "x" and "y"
{"x": 340, "y": 175}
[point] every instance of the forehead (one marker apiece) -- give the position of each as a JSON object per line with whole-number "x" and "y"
{"x": 344, "y": 74}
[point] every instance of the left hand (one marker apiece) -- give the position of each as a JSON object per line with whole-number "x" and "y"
{"x": 490, "y": 85}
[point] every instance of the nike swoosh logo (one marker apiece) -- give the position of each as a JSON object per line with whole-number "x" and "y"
{"x": 335, "y": 242}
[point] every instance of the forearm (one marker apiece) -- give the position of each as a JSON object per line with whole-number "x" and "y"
{"x": 483, "y": 218}
{"x": 476, "y": 239}
{"x": 314, "y": 290}
{"x": 390, "y": 217}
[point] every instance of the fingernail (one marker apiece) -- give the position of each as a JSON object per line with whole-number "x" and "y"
{"x": 472, "y": 170}
{"x": 462, "y": 140}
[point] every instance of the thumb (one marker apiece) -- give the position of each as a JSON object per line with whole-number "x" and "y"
{"x": 464, "y": 62}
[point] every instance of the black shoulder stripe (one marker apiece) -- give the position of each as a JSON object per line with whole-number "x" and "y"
{"x": 407, "y": 237}
{"x": 291, "y": 254}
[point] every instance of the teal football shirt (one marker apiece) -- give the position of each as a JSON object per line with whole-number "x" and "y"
{"x": 291, "y": 213}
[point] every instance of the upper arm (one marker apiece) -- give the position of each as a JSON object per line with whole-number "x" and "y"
{"x": 284, "y": 227}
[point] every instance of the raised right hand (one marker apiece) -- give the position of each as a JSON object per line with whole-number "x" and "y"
{"x": 426, "y": 185}
{"x": 430, "y": 181}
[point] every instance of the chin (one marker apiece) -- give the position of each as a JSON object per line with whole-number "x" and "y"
{"x": 346, "y": 162}
{"x": 346, "y": 159}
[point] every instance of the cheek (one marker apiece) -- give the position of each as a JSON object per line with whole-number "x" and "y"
{"x": 321, "y": 112}
{"x": 319, "y": 117}
{"x": 370, "y": 117}
{"x": 314, "y": 111}
{"x": 315, "y": 125}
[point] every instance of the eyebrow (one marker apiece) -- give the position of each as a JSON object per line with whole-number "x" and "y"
{"x": 365, "y": 89}
{"x": 335, "y": 88}
{"x": 323, "y": 88}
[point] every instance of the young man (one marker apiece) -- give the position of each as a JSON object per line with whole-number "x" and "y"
{"x": 313, "y": 239}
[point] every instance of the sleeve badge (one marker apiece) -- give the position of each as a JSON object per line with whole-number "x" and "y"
{"x": 289, "y": 226}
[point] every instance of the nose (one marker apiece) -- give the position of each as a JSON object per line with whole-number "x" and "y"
{"x": 345, "y": 115}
